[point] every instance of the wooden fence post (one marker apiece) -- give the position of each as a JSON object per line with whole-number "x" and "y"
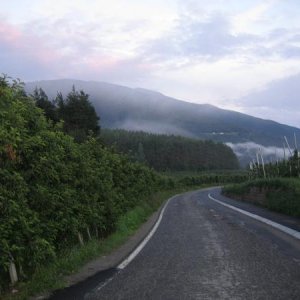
{"x": 88, "y": 233}
{"x": 80, "y": 238}
{"x": 13, "y": 273}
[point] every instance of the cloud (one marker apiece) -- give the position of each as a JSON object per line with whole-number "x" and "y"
{"x": 112, "y": 69}
{"x": 290, "y": 52}
{"x": 197, "y": 50}
{"x": 244, "y": 20}
{"x": 197, "y": 38}
{"x": 250, "y": 149}
{"x": 278, "y": 100}
{"x": 203, "y": 38}
{"x": 197, "y": 33}
{"x": 247, "y": 152}
{"x": 153, "y": 127}
{"x": 21, "y": 53}
{"x": 63, "y": 49}
{"x": 283, "y": 93}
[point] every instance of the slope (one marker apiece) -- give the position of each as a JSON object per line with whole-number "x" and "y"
{"x": 140, "y": 109}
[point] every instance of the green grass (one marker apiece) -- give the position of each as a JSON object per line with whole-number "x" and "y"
{"x": 51, "y": 277}
{"x": 281, "y": 194}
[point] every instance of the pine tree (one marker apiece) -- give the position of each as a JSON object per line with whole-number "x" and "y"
{"x": 42, "y": 101}
{"x": 79, "y": 116}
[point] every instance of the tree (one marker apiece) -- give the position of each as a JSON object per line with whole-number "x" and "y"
{"x": 79, "y": 115}
{"x": 42, "y": 101}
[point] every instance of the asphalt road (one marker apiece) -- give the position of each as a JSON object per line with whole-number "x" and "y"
{"x": 203, "y": 250}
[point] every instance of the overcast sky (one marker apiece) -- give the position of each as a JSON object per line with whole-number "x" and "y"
{"x": 237, "y": 54}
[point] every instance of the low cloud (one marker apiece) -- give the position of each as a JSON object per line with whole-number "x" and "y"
{"x": 249, "y": 150}
{"x": 153, "y": 127}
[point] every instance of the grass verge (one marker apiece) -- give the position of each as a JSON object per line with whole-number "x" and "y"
{"x": 277, "y": 194}
{"x": 51, "y": 277}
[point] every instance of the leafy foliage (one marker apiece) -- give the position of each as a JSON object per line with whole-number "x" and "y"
{"x": 278, "y": 194}
{"x": 53, "y": 189}
{"x": 75, "y": 110}
{"x": 42, "y": 101}
{"x": 216, "y": 178}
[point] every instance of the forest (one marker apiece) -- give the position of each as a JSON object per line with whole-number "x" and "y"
{"x": 170, "y": 152}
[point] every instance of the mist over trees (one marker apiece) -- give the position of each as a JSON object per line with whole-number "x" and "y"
{"x": 161, "y": 152}
{"x": 139, "y": 109}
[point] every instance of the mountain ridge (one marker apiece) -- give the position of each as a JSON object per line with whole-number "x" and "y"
{"x": 142, "y": 109}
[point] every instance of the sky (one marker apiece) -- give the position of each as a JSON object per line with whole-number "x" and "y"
{"x": 240, "y": 55}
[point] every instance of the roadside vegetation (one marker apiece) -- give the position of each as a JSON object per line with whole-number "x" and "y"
{"x": 64, "y": 196}
{"x": 275, "y": 186}
{"x": 50, "y": 276}
{"x": 278, "y": 194}
{"x": 221, "y": 177}
{"x": 55, "y": 192}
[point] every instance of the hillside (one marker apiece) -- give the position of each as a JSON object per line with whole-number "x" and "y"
{"x": 171, "y": 153}
{"x": 140, "y": 109}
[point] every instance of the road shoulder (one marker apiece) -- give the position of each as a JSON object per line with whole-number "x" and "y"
{"x": 288, "y": 221}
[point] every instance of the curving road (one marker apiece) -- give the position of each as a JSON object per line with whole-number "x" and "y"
{"x": 204, "y": 250}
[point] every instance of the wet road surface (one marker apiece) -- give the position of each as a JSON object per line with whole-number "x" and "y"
{"x": 203, "y": 250}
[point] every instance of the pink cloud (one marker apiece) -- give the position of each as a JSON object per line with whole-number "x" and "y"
{"x": 30, "y": 55}
{"x": 101, "y": 62}
{"x": 21, "y": 46}
{"x": 10, "y": 34}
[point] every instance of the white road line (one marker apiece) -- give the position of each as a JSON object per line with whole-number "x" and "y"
{"x": 106, "y": 282}
{"x": 292, "y": 232}
{"x": 131, "y": 257}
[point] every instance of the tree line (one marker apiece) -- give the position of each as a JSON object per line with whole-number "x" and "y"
{"x": 170, "y": 152}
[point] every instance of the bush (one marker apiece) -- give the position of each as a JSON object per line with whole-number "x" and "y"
{"x": 54, "y": 191}
{"x": 281, "y": 194}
